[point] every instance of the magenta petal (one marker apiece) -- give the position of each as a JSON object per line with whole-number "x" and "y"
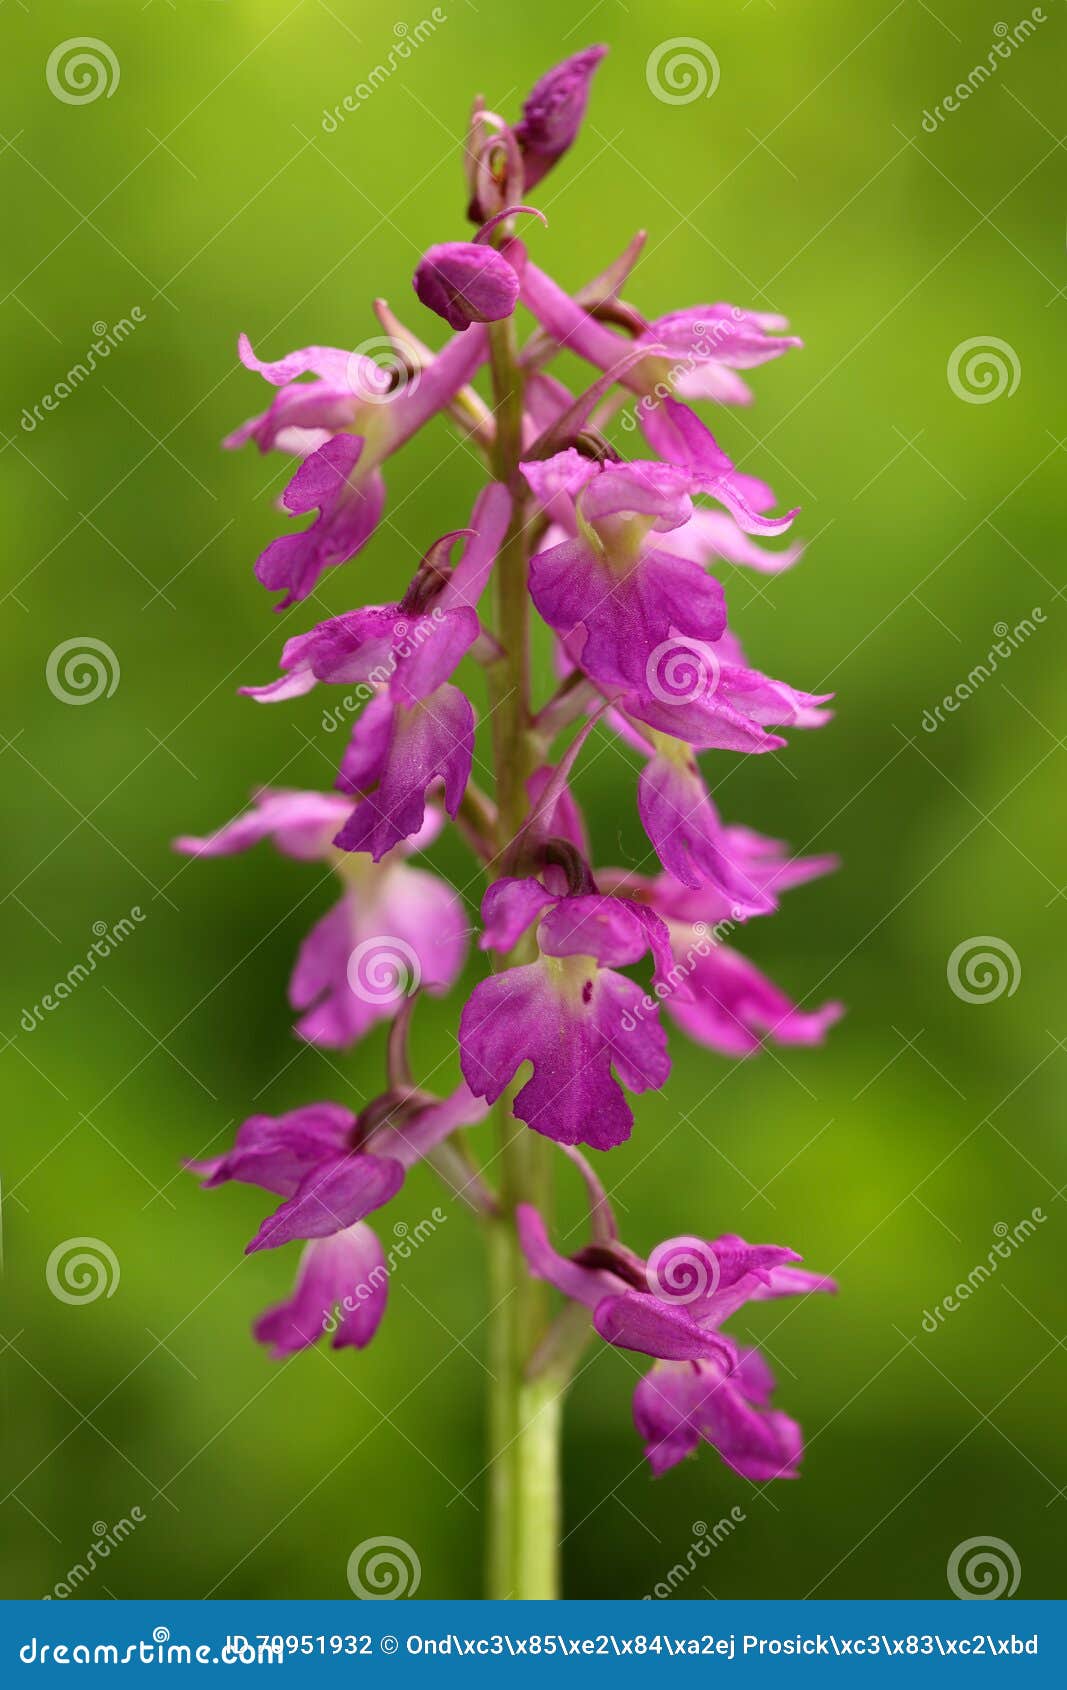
{"x": 304, "y": 415}
{"x": 630, "y": 1028}
{"x": 347, "y": 1271}
{"x": 546, "y": 400}
{"x": 467, "y": 283}
{"x": 508, "y": 908}
{"x": 330, "y": 363}
{"x": 560, "y": 477}
{"x": 350, "y": 649}
{"x": 300, "y": 823}
{"x": 333, "y": 1014}
{"x": 661, "y": 1405}
{"x": 707, "y": 343}
{"x": 321, "y": 479}
{"x": 419, "y": 1133}
{"x": 753, "y": 1378}
{"x": 764, "y": 867}
{"x": 278, "y": 1152}
{"x": 558, "y": 817}
{"x": 723, "y": 333}
{"x": 759, "y": 1444}
{"x": 367, "y": 753}
{"x": 355, "y": 391}
{"x": 710, "y": 720}
{"x": 636, "y": 1321}
{"x": 737, "y": 1258}
{"x": 349, "y": 510}
{"x": 773, "y": 703}
{"x": 628, "y": 613}
{"x": 552, "y": 113}
{"x": 331, "y": 1197}
{"x": 710, "y": 535}
{"x": 640, "y": 488}
{"x": 608, "y": 929}
{"x": 687, "y": 835}
{"x": 574, "y": 1027}
{"x": 429, "y": 650}
{"x": 586, "y": 1285}
{"x": 734, "y": 1007}
{"x": 678, "y": 435}
{"x": 614, "y": 930}
{"x": 361, "y": 1308}
{"x": 488, "y": 523}
{"x": 427, "y": 915}
{"x": 434, "y": 740}
{"x": 741, "y": 1272}
{"x": 675, "y": 1406}
{"x": 405, "y": 929}
{"x": 379, "y": 646}
{"x": 568, "y": 324}
{"x": 435, "y": 385}
{"x": 792, "y": 1282}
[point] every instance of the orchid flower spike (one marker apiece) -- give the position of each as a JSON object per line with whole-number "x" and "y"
{"x": 579, "y": 609}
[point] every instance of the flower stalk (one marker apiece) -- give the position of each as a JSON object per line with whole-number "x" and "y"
{"x": 524, "y": 1417}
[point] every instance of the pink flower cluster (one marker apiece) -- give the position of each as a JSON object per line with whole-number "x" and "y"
{"x": 625, "y": 556}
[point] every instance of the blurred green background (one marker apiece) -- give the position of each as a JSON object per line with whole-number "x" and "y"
{"x": 205, "y": 192}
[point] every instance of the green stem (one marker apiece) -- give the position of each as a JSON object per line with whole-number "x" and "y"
{"x": 524, "y": 1414}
